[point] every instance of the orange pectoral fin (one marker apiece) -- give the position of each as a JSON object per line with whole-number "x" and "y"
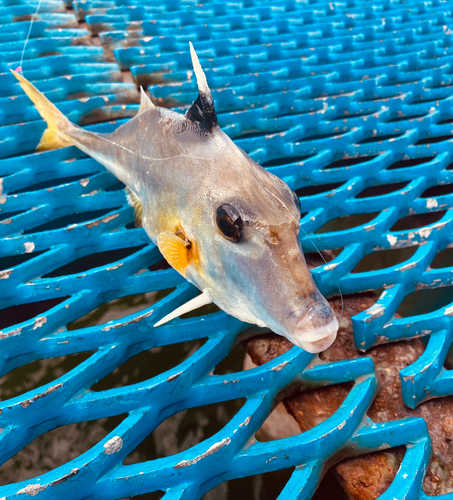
{"x": 175, "y": 250}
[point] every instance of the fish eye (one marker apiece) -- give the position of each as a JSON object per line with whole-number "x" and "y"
{"x": 229, "y": 222}
{"x": 297, "y": 201}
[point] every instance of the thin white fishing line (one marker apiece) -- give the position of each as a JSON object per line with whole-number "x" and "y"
{"x": 325, "y": 262}
{"x": 19, "y": 68}
{"x": 310, "y": 240}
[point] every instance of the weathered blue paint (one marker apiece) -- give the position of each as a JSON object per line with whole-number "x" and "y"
{"x": 299, "y": 86}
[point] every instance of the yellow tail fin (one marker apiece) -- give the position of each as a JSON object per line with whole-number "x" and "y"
{"x": 54, "y": 136}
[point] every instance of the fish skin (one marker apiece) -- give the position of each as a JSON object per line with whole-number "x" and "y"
{"x": 182, "y": 171}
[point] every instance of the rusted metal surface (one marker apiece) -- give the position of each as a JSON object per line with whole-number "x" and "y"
{"x": 368, "y": 476}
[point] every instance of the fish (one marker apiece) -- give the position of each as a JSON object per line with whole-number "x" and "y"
{"x": 225, "y": 223}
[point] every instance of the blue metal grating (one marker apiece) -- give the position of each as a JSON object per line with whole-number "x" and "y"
{"x": 354, "y": 93}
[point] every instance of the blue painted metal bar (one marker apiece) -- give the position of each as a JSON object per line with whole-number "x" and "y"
{"x": 343, "y": 95}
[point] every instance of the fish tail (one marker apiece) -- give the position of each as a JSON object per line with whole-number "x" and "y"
{"x": 54, "y": 136}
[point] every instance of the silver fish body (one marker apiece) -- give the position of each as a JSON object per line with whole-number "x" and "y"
{"x": 228, "y": 225}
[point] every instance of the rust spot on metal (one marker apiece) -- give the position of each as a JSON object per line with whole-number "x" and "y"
{"x": 368, "y": 476}
{"x": 28, "y": 402}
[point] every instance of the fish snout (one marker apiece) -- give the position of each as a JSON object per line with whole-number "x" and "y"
{"x": 317, "y": 330}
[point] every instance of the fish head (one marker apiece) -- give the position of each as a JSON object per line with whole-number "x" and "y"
{"x": 251, "y": 263}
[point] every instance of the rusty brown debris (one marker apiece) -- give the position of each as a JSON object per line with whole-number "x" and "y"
{"x": 368, "y": 476}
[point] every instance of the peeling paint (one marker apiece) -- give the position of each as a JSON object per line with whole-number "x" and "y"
{"x": 431, "y": 203}
{"x": 231, "y": 381}
{"x": 65, "y": 477}
{"x": 375, "y": 312}
{"x": 246, "y": 422}
{"x": 39, "y": 322}
{"x": 32, "y": 489}
{"x": 210, "y": 451}
{"x": 137, "y": 319}
{"x": 85, "y": 182}
{"x": 280, "y": 366}
{"x": 411, "y": 265}
{"x": 113, "y": 445}
{"x": 29, "y": 246}
{"x": 91, "y": 193}
{"x": 174, "y": 376}
{"x": 28, "y": 402}
{"x": 105, "y": 220}
{"x": 12, "y": 333}
{"x": 4, "y": 275}
{"x": 114, "y": 267}
{"x": 392, "y": 239}
{"x": 429, "y": 230}
{"x": 449, "y": 311}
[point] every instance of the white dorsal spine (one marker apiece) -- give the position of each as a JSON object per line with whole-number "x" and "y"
{"x": 197, "y": 302}
{"x": 145, "y": 102}
{"x": 199, "y": 73}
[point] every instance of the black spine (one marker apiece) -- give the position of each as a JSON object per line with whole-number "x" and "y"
{"x": 203, "y": 112}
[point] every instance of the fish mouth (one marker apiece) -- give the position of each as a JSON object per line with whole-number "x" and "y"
{"x": 317, "y": 330}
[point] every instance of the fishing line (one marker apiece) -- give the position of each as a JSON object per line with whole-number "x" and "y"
{"x": 308, "y": 237}
{"x": 325, "y": 262}
{"x": 103, "y": 137}
{"x": 19, "y": 68}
